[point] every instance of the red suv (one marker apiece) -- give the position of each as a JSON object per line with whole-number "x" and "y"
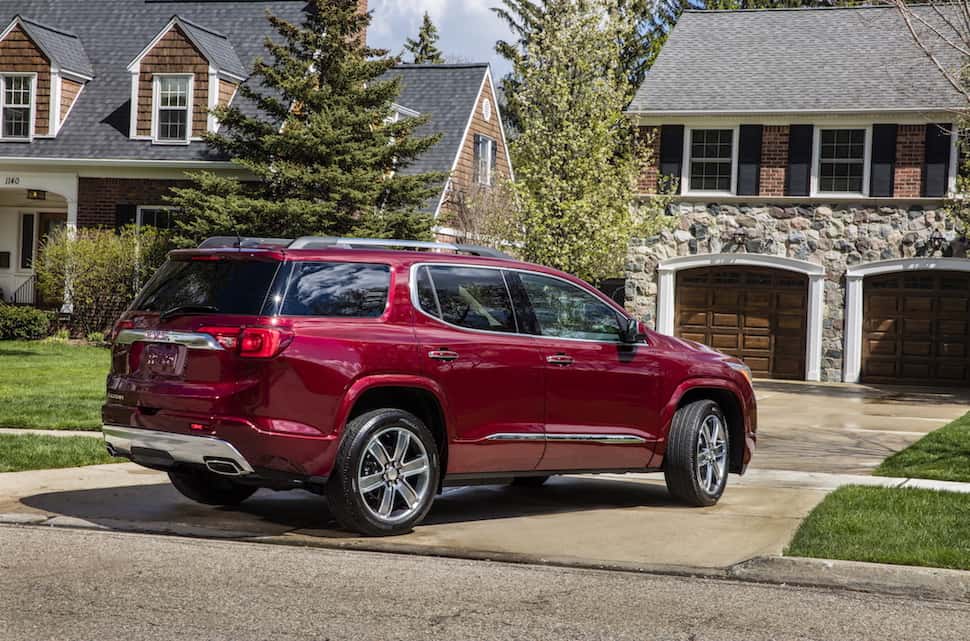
{"x": 377, "y": 376}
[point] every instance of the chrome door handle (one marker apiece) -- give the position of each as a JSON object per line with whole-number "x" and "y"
{"x": 443, "y": 355}
{"x": 562, "y": 360}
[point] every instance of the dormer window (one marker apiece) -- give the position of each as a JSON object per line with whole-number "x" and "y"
{"x": 17, "y": 106}
{"x": 173, "y": 117}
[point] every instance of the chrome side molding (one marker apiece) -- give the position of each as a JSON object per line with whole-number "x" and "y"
{"x": 560, "y": 437}
{"x": 191, "y": 340}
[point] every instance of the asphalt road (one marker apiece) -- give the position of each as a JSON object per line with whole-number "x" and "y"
{"x": 79, "y": 585}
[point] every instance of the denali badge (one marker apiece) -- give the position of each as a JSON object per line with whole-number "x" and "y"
{"x": 116, "y": 397}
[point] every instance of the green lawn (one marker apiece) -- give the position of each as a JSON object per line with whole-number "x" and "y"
{"x": 943, "y": 455}
{"x": 20, "y": 452}
{"x": 52, "y": 385}
{"x": 887, "y": 525}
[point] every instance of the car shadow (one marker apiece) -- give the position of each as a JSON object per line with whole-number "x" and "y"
{"x": 160, "y": 509}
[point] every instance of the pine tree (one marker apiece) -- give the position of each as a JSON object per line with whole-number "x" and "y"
{"x": 575, "y": 166}
{"x": 325, "y": 152}
{"x": 424, "y": 50}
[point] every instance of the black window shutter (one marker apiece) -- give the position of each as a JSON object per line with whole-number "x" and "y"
{"x": 749, "y": 160}
{"x": 883, "y": 169}
{"x": 672, "y": 151}
{"x": 799, "y": 176}
{"x": 936, "y": 168}
{"x": 125, "y": 215}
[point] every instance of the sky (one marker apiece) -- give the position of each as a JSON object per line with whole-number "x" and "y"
{"x": 468, "y": 28}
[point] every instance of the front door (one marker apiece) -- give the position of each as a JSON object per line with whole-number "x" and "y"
{"x": 601, "y": 394}
{"x": 492, "y": 376}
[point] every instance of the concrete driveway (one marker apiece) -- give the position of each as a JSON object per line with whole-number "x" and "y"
{"x": 811, "y": 438}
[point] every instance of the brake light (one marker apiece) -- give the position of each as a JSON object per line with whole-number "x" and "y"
{"x": 263, "y": 342}
{"x": 228, "y": 337}
{"x": 119, "y": 327}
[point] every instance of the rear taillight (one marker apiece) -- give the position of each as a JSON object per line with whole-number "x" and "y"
{"x": 119, "y": 327}
{"x": 251, "y": 342}
{"x": 263, "y": 342}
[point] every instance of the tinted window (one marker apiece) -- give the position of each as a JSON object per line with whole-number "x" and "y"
{"x": 353, "y": 290}
{"x": 230, "y": 286}
{"x": 473, "y": 298}
{"x": 426, "y": 295}
{"x": 566, "y": 311}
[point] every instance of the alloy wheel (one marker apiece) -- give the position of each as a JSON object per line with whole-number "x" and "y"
{"x": 711, "y": 454}
{"x": 394, "y": 475}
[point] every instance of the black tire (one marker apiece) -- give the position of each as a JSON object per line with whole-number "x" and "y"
{"x": 681, "y": 469}
{"x": 347, "y": 503}
{"x": 209, "y": 489}
{"x": 529, "y": 481}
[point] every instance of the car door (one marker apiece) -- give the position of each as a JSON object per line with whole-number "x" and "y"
{"x": 602, "y": 396}
{"x": 491, "y": 375}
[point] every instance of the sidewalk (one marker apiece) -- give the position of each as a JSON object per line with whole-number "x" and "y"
{"x": 17, "y": 430}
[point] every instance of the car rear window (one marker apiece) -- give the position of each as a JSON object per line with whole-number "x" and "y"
{"x": 330, "y": 289}
{"x": 228, "y": 286}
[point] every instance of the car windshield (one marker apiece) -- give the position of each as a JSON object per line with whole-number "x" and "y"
{"x": 216, "y": 286}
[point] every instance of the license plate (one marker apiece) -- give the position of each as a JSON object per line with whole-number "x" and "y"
{"x": 163, "y": 359}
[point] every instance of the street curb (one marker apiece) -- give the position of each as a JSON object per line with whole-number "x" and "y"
{"x": 899, "y": 580}
{"x": 895, "y": 580}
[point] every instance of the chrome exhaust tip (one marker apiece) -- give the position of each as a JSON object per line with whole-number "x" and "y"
{"x": 224, "y": 467}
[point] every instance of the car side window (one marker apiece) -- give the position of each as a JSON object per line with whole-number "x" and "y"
{"x": 471, "y": 297}
{"x": 427, "y": 299}
{"x": 350, "y": 290}
{"x": 566, "y": 311}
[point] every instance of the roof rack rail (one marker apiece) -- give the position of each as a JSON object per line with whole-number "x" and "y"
{"x": 323, "y": 242}
{"x": 239, "y": 242}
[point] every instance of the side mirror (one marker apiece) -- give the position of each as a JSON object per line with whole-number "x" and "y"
{"x": 632, "y": 332}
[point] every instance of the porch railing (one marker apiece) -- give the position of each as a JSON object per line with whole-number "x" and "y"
{"x": 26, "y": 294}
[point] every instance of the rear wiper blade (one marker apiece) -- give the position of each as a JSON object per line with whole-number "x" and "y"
{"x": 183, "y": 310}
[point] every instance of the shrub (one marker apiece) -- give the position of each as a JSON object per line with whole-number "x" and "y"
{"x": 99, "y": 270}
{"x": 23, "y": 323}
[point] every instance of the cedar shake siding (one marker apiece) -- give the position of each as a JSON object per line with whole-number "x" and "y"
{"x": 19, "y": 54}
{"x": 463, "y": 177}
{"x": 774, "y": 160}
{"x": 226, "y": 92}
{"x": 69, "y": 93}
{"x": 908, "y": 179}
{"x": 174, "y": 53}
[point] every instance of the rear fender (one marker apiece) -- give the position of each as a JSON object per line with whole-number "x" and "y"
{"x": 362, "y": 385}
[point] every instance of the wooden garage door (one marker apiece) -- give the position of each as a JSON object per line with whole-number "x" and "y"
{"x": 758, "y": 315}
{"x": 915, "y": 328}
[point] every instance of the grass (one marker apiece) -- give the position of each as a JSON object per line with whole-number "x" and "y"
{"x": 888, "y": 525}
{"x": 943, "y": 455}
{"x": 50, "y": 385}
{"x": 21, "y": 452}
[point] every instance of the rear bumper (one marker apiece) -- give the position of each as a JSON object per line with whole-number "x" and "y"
{"x": 166, "y": 449}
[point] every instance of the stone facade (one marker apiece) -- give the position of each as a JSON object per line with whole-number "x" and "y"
{"x": 835, "y": 236}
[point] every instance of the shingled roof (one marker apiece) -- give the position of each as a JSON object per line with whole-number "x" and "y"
{"x": 447, "y": 94}
{"x": 62, "y": 47}
{"x": 112, "y": 33}
{"x": 790, "y": 60}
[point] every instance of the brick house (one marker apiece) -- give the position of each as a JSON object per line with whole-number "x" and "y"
{"x": 105, "y": 105}
{"x": 812, "y": 151}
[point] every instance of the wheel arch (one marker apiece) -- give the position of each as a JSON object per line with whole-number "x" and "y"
{"x": 730, "y": 403}
{"x": 416, "y": 395}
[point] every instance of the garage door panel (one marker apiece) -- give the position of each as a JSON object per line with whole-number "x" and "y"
{"x": 756, "y": 314}
{"x": 916, "y": 328}
{"x": 697, "y": 338}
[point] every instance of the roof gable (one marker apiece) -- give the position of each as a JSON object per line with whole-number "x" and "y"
{"x": 860, "y": 59}
{"x": 213, "y": 45}
{"x": 62, "y": 48}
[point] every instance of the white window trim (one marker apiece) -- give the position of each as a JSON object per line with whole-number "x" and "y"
{"x": 33, "y": 105}
{"x": 190, "y": 108}
{"x": 817, "y": 162}
{"x": 685, "y": 189}
{"x": 140, "y": 209}
{"x": 492, "y": 150}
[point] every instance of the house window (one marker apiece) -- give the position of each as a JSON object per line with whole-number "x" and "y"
{"x": 173, "y": 97}
{"x": 484, "y": 162}
{"x": 27, "y": 241}
{"x": 157, "y": 217}
{"x": 842, "y": 161}
{"x": 17, "y": 106}
{"x": 711, "y": 160}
